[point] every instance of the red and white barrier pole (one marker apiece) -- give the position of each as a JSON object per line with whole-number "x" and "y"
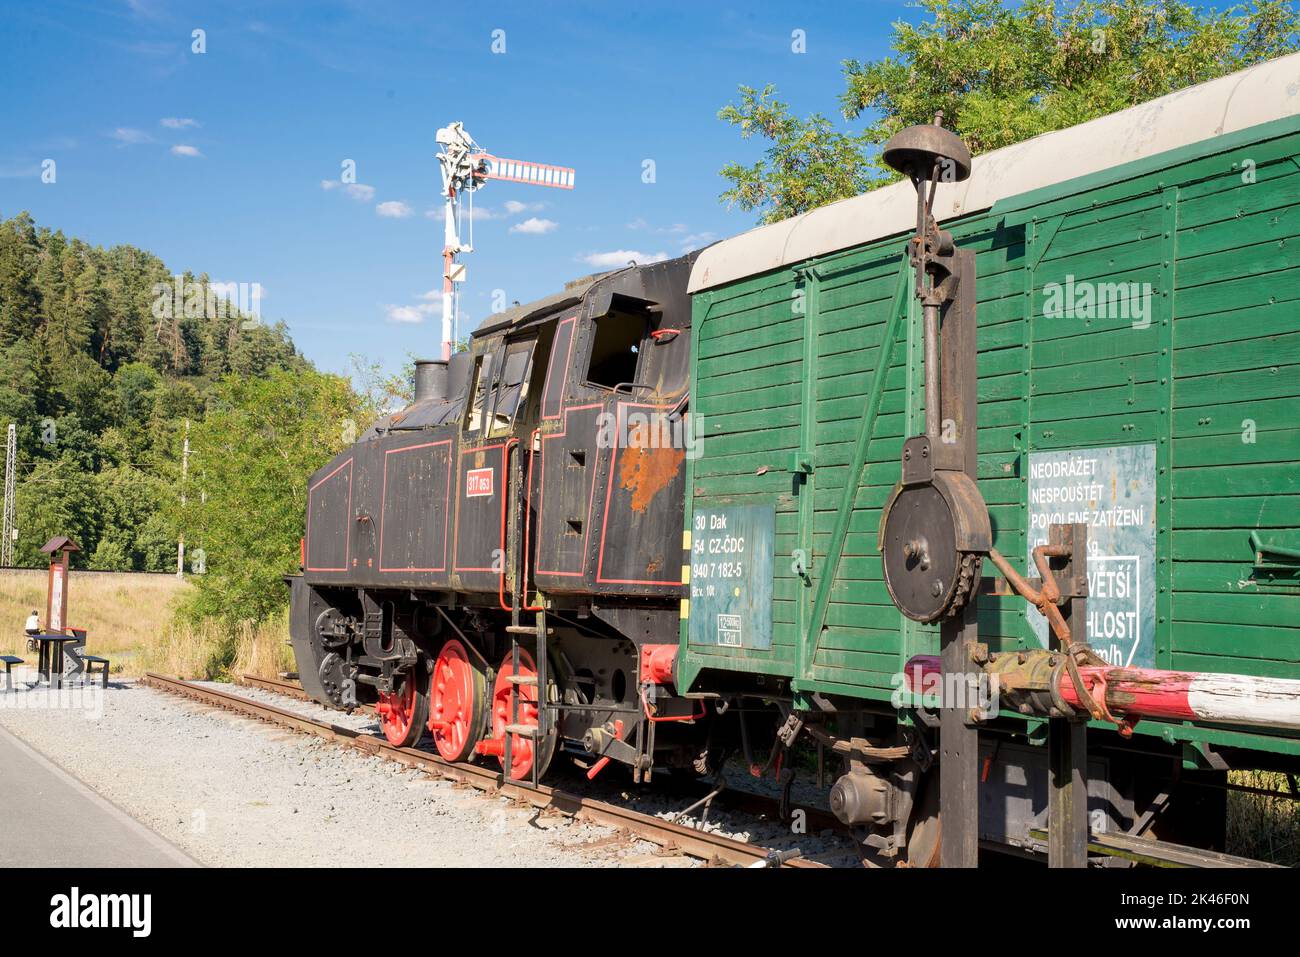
{"x": 1135, "y": 693}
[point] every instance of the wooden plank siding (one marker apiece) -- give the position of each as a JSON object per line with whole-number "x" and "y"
{"x": 784, "y": 361}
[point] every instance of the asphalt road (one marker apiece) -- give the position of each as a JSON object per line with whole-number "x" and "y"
{"x": 50, "y": 819}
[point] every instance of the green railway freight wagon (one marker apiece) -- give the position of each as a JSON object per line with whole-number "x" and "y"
{"x": 1138, "y": 363}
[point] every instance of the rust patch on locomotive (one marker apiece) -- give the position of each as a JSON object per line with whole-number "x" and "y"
{"x": 645, "y": 472}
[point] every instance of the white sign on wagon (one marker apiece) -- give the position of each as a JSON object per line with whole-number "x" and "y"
{"x": 1113, "y": 491}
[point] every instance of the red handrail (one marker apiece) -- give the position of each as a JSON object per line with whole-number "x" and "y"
{"x": 505, "y": 466}
{"x": 532, "y": 454}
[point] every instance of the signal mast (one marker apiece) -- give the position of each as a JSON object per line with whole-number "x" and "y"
{"x": 466, "y": 168}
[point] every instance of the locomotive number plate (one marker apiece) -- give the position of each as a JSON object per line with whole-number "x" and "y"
{"x": 731, "y": 576}
{"x": 478, "y": 483}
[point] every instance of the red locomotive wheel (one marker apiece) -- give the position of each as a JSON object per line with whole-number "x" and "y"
{"x": 403, "y": 714}
{"x": 521, "y": 747}
{"x": 457, "y": 700}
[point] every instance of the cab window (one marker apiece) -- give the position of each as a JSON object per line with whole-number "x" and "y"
{"x": 480, "y": 382}
{"x": 615, "y": 349}
{"x": 511, "y": 393}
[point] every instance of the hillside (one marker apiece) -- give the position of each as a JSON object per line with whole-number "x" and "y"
{"x": 103, "y": 362}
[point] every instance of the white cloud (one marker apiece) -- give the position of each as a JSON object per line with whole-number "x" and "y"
{"x": 534, "y": 226}
{"x": 621, "y": 257}
{"x": 410, "y": 314}
{"x": 130, "y": 137}
{"x": 183, "y": 150}
{"x": 177, "y": 123}
{"x": 404, "y": 314}
{"x": 514, "y": 207}
{"x": 358, "y": 191}
{"x": 637, "y": 223}
{"x": 394, "y": 209}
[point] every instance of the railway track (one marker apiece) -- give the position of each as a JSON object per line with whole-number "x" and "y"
{"x": 747, "y": 802}
{"x": 713, "y": 848}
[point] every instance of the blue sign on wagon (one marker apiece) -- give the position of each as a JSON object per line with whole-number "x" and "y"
{"x": 731, "y": 576}
{"x": 1113, "y": 491}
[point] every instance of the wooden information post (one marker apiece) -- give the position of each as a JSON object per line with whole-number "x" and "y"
{"x": 60, "y": 549}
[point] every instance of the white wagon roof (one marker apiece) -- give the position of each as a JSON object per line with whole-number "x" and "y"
{"x": 1267, "y": 91}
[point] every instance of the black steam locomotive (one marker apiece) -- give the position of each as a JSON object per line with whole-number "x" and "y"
{"x": 547, "y": 460}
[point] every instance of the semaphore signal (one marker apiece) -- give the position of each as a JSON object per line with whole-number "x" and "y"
{"x": 521, "y": 171}
{"x": 466, "y": 169}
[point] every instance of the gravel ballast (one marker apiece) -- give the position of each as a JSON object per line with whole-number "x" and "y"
{"x": 234, "y": 791}
{"x": 662, "y": 799}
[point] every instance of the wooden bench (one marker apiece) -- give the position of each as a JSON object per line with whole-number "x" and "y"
{"x": 91, "y": 662}
{"x": 10, "y": 661}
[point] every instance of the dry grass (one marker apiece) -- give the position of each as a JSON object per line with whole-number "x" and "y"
{"x": 1261, "y": 827}
{"x": 123, "y": 614}
{"x": 211, "y": 651}
{"x": 264, "y": 650}
{"x": 129, "y": 619}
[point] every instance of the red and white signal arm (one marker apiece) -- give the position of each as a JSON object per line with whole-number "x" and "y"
{"x": 523, "y": 171}
{"x": 478, "y": 483}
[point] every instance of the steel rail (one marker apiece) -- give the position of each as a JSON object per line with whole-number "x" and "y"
{"x": 747, "y": 802}
{"x": 699, "y": 844}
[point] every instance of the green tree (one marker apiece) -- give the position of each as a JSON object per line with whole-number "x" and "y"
{"x": 1001, "y": 72}
{"x": 808, "y": 163}
{"x": 129, "y": 501}
{"x": 378, "y": 391}
{"x": 20, "y": 300}
{"x": 100, "y": 379}
{"x": 246, "y": 496}
{"x": 135, "y": 387}
{"x": 57, "y": 498}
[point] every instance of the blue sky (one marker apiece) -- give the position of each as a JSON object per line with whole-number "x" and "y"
{"x": 216, "y": 161}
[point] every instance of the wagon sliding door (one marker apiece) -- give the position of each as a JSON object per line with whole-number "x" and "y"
{"x": 743, "y": 520}
{"x": 802, "y": 405}
{"x": 860, "y": 401}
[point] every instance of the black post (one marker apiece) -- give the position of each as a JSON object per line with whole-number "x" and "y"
{"x": 1067, "y": 810}
{"x": 936, "y": 511}
{"x": 958, "y": 748}
{"x": 958, "y": 737}
{"x": 1067, "y": 738}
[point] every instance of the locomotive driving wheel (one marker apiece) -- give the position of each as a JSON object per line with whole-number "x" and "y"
{"x": 457, "y": 702}
{"x": 403, "y": 713}
{"x": 522, "y": 751}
